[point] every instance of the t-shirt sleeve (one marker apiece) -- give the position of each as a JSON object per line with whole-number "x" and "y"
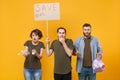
{"x": 52, "y": 46}
{"x": 26, "y": 43}
{"x": 70, "y": 44}
{"x": 42, "y": 45}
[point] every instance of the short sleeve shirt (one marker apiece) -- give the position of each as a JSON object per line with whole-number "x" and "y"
{"x": 32, "y": 61}
{"x": 62, "y": 62}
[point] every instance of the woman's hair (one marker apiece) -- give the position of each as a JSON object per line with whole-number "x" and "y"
{"x": 37, "y": 32}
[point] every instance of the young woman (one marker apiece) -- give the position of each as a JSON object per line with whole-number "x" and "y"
{"x": 34, "y": 49}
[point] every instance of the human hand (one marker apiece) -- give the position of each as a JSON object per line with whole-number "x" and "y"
{"x": 77, "y": 53}
{"x": 33, "y": 51}
{"x": 99, "y": 56}
{"x": 62, "y": 39}
{"x": 47, "y": 40}
{"x": 25, "y": 52}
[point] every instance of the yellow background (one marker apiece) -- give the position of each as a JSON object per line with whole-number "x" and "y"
{"x": 17, "y": 21}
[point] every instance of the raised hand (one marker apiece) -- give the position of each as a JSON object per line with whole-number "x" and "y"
{"x": 47, "y": 40}
{"x": 62, "y": 39}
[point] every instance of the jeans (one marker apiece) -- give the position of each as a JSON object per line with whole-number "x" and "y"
{"x": 87, "y": 72}
{"x": 32, "y": 74}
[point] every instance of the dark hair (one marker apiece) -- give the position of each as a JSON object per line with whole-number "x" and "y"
{"x": 61, "y": 28}
{"x": 86, "y": 25}
{"x": 37, "y": 32}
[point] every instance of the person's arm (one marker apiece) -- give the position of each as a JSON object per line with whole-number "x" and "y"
{"x": 48, "y": 50}
{"x": 67, "y": 49}
{"x": 76, "y": 52}
{"x": 99, "y": 51}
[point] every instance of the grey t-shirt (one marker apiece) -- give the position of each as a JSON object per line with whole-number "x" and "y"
{"x": 32, "y": 61}
{"x": 62, "y": 62}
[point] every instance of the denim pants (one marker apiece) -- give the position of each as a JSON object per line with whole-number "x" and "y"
{"x": 87, "y": 73}
{"x": 32, "y": 74}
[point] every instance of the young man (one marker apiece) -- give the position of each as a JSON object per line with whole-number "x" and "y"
{"x": 87, "y": 50}
{"x": 63, "y": 49}
{"x": 33, "y": 54}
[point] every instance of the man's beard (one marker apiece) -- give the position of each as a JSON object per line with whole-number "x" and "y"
{"x": 87, "y": 35}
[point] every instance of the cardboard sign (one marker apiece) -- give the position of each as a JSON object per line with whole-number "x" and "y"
{"x": 49, "y": 11}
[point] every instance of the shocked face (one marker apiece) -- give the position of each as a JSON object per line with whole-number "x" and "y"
{"x": 35, "y": 37}
{"x": 86, "y": 31}
{"x": 61, "y": 33}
